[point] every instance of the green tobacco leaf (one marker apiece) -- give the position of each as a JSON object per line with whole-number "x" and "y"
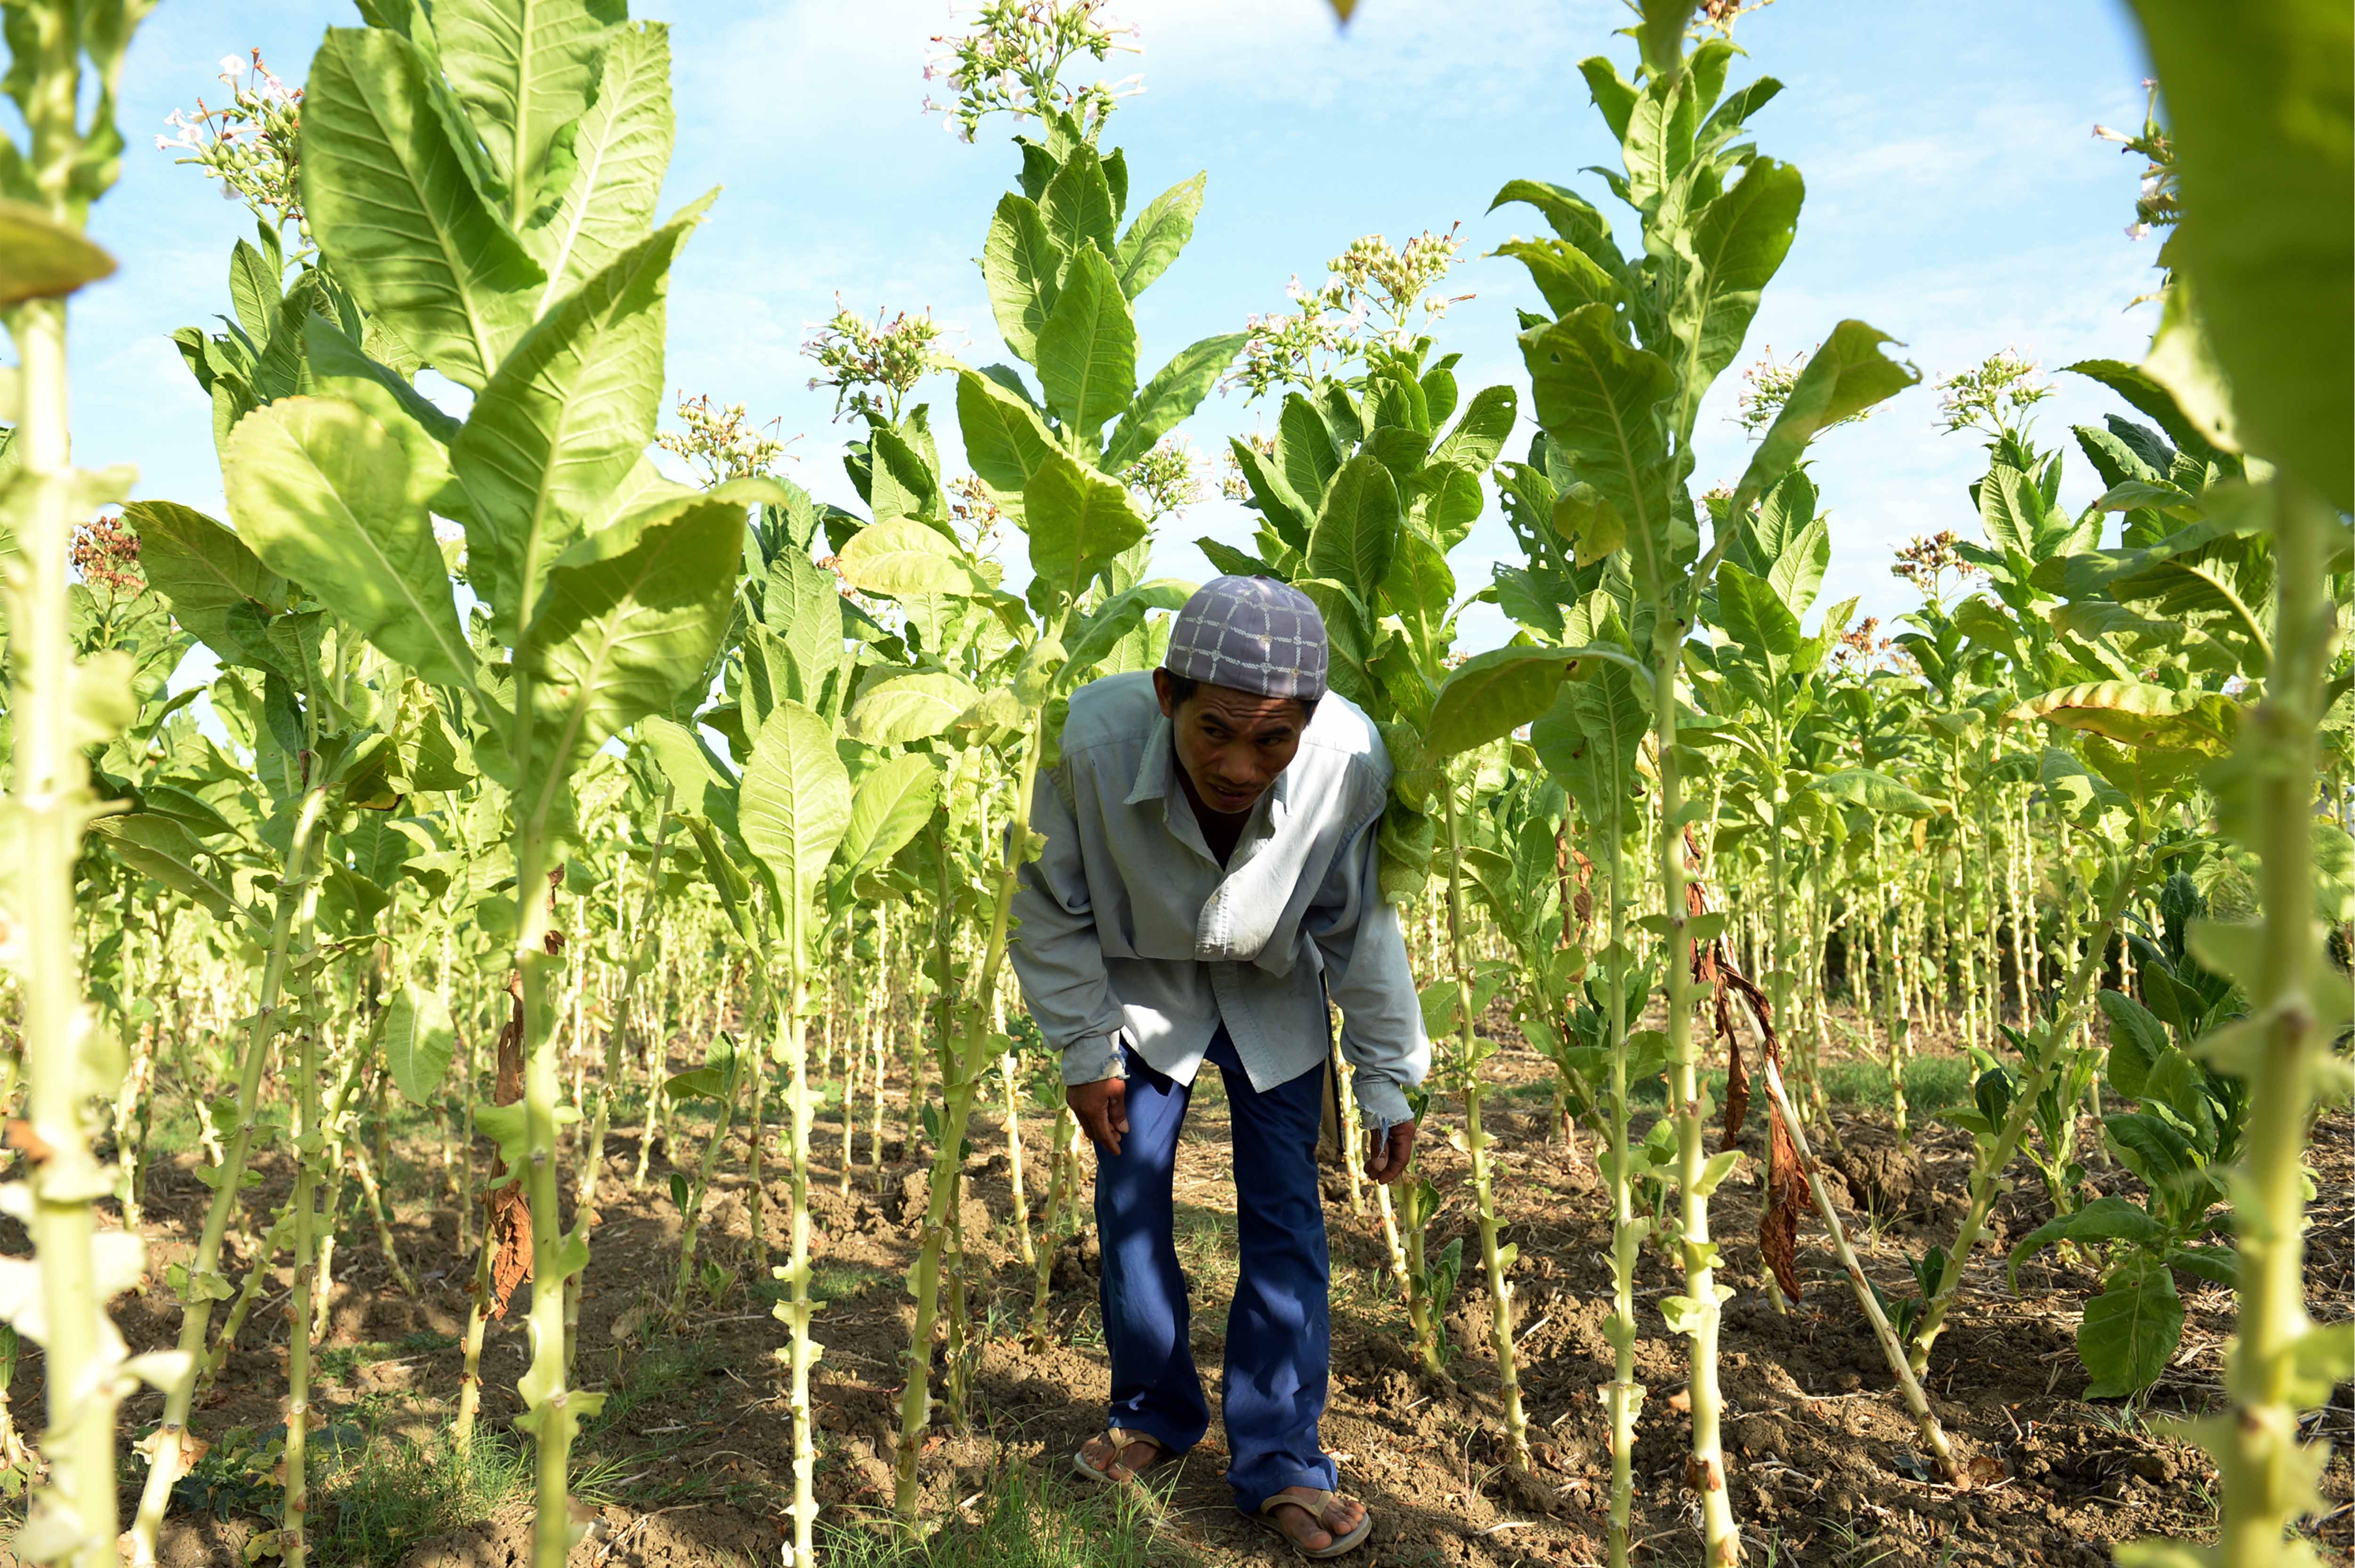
{"x": 905, "y": 560}
{"x": 1157, "y": 236}
{"x": 802, "y": 604}
{"x": 619, "y": 153}
{"x": 1305, "y": 448}
{"x": 701, "y": 785}
{"x": 1752, "y": 614}
{"x": 1120, "y": 615}
{"x": 1019, "y": 264}
{"x": 1843, "y": 378}
{"x": 890, "y": 807}
{"x": 2135, "y": 384}
{"x": 1005, "y": 440}
{"x": 2142, "y": 715}
{"x": 41, "y": 258}
{"x": 1491, "y": 694}
{"x": 217, "y": 587}
{"x": 1079, "y": 521}
{"x": 2259, "y": 114}
{"x": 629, "y": 621}
{"x": 1480, "y": 435}
{"x": 1876, "y": 792}
{"x": 1356, "y": 531}
{"x": 2138, "y": 1041}
{"x": 161, "y": 848}
{"x": 1737, "y": 243}
{"x": 329, "y": 499}
{"x": 1165, "y": 402}
{"x": 1599, "y": 400}
{"x": 1285, "y": 512}
{"x": 1567, "y": 276}
{"x": 1078, "y": 206}
{"x": 341, "y": 367}
{"x": 396, "y": 213}
{"x": 914, "y": 707}
{"x": 2130, "y": 1331}
{"x": 526, "y": 71}
{"x": 1419, "y": 587}
{"x": 566, "y": 413}
{"x": 1087, "y": 347}
{"x": 796, "y": 798}
{"x": 417, "y": 1037}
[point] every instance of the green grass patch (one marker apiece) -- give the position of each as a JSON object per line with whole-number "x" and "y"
{"x": 1020, "y": 1521}
{"x": 1932, "y": 1084}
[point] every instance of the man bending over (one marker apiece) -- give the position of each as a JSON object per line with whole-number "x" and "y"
{"x": 1208, "y": 883}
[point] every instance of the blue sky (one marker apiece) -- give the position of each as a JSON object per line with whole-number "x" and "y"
{"x": 1955, "y": 200}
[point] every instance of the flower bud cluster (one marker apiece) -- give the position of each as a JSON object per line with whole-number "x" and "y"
{"x": 1010, "y": 60}
{"x": 1167, "y": 480}
{"x": 248, "y": 144}
{"x": 105, "y": 555}
{"x": 2157, "y": 205}
{"x": 860, "y": 359}
{"x": 1375, "y": 297}
{"x": 722, "y": 443}
{"x": 1990, "y": 394}
{"x": 1924, "y": 563}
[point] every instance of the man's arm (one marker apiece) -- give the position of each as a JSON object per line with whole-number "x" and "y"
{"x": 1368, "y": 978}
{"x": 1055, "y": 952}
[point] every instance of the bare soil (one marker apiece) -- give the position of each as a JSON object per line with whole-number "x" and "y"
{"x": 691, "y": 1463}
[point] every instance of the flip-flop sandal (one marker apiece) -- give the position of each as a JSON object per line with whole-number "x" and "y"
{"x": 1341, "y": 1545}
{"x": 1121, "y": 1437}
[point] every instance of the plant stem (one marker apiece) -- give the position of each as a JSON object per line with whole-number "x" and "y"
{"x": 1475, "y": 1145}
{"x": 2268, "y": 1472}
{"x": 1623, "y": 1395}
{"x": 956, "y": 1107}
{"x": 1924, "y": 1421}
{"x": 1722, "y": 1541}
{"x": 205, "y": 1284}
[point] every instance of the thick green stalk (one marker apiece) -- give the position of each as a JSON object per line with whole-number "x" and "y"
{"x": 1623, "y": 1395}
{"x": 52, "y": 804}
{"x": 1475, "y": 1146}
{"x": 1722, "y": 1541}
{"x": 2268, "y": 1472}
{"x": 1987, "y": 1172}
{"x": 957, "y": 1096}
{"x": 310, "y": 1146}
{"x": 796, "y": 1311}
{"x": 205, "y": 1284}
{"x": 552, "y": 1411}
{"x": 478, "y": 1318}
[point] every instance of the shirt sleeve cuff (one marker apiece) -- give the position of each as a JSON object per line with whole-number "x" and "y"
{"x": 1381, "y": 1103}
{"x": 1093, "y": 1060}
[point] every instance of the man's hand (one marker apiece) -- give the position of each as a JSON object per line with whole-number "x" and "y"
{"x": 1102, "y": 1110}
{"x": 1386, "y": 1160}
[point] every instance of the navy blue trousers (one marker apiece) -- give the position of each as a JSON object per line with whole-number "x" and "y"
{"x": 1279, "y": 1330}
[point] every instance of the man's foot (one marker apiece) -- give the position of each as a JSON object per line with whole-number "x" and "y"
{"x": 1121, "y": 1455}
{"x": 1295, "y": 1513}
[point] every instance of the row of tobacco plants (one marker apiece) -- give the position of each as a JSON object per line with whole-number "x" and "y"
{"x": 515, "y": 739}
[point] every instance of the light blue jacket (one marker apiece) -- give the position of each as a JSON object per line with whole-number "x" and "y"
{"x": 1131, "y": 930}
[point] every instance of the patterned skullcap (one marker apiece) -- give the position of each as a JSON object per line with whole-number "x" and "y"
{"x": 1252, "y": 635}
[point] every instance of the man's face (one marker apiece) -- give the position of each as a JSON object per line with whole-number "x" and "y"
{"x": 1231, "y": 744}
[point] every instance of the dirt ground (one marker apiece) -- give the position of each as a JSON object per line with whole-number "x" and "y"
{"x": 690, "y": 1465}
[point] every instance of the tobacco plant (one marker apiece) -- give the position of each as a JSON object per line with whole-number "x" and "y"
{"x": 1617, "y": 378}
